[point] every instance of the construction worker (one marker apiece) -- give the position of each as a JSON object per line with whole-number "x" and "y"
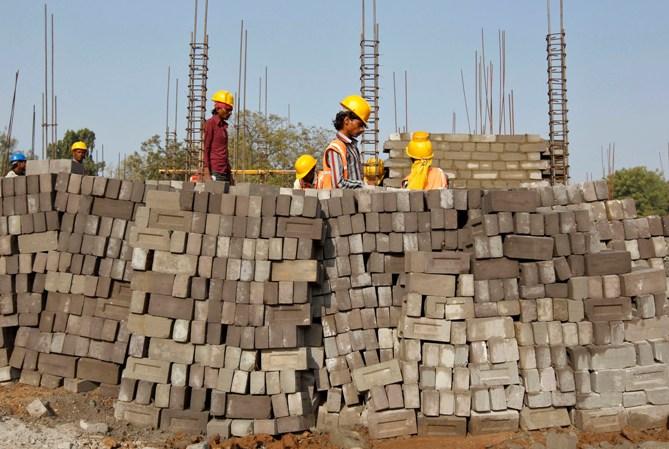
{"x": 216, "y": 158}
{"x": 305, "y": 172}
{"x": 342, "y": 164}
{"x": 79, "y": 151}
{"x": 423, "y": 176}
{"x": 18, "y": 162}
{"x": 373, "y": 171}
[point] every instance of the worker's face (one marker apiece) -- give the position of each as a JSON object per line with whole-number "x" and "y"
{"x": 224, "y": 113}
{"x": 309, "y": 177}
{"x": 353, "y": 127}
{"x": 20, "y": 168}
{"x": 79, "y": 155}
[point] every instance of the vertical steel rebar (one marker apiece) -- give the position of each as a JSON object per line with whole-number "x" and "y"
{"x": 395, "y": 101}
{"x": 245, "y": 147}
{"x": 266, "y": 92}
{"x": 45, "y": 115}
{"x": 53, "y": 94}
{"x": 464, "y": 94}
{"x": 406, "y": 102}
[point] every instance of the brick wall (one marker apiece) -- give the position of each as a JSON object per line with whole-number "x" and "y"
{"x": 268, "y": 310}
{"x": 475, "y": 161}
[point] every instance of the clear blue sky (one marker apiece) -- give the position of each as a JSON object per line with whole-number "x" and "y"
{"x": 112, "y": 58}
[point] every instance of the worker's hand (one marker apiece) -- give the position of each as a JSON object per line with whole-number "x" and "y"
{"x": 368, "y": 186}
{"x": 206, "y": 175}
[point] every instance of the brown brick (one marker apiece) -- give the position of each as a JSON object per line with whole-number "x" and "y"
{"x": 644, "y": 281}
{"x": 172, "y": 220}
{"x": 495, "y": 269}
{"x": 248, "y": 407}
{"x": 159, "y": 283}
{"x": 106, "y": 207}
{"x": 510, "y": 201}
{"x": 34, "y": 243}
{"x": 140, "y": 415}
{"x": 528, "y": 248}
{"x": 98, "y": 371}
{"x": 445, "y": 262}
{"x": 58, "y": 365}
{"x": 187, "y": 421}
{"x": 295, "y": 270}
{"x": 608, "y": 262}
{"x": 170, "y": 307}
{"x": 609, "y": 309}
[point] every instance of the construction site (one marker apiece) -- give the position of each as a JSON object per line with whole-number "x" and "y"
{"x": 151, "y": 300}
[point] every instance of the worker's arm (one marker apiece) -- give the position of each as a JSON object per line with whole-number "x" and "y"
{"x": 208, "y": 137}
{"x": 337, "y": 170}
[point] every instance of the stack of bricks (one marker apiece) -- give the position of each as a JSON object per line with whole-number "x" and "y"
{"x": 269, "y": 310}
{"x": 475, "y": 160}
{"x": 74, "y": 332}
{"x": 28, "y": 228}
{"x": 560, "y": 320}
{"x": 222, "y": 334}
{"x": 369, "y": 233}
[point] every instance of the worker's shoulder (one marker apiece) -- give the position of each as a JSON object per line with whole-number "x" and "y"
{"x": 336, "y": 144}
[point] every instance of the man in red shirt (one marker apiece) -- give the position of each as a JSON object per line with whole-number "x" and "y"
{"x": 216, "y": 160}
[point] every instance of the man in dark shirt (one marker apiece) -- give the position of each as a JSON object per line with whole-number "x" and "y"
{"x": 216, "y": 160}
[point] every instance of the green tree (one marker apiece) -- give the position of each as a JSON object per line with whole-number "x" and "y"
{"x": 6, "y": 148}
{"x": 649, "y": 190}
{"x": 62, "y": 149}
{"x": 153, "y": 157}
{"x": 267, "y": 143}
{"x": 273, "y": 143}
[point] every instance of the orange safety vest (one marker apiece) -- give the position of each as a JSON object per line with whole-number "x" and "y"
{"x": 324, "y": 179}
{"x": 436, "y": 179}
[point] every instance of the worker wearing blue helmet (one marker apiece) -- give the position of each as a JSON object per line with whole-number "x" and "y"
{"x": 18, "y": 162}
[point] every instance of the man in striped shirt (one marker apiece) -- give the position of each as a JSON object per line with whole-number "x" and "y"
{"x": 342, "y": 162}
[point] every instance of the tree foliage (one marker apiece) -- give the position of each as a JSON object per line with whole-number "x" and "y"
{"x": 62, "y": 149}
{"x": 649, "y": 190}
{"x": 263, "y": 143}
{"x": 152, "y": 157}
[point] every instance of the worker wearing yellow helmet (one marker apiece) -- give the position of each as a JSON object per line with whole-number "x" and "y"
{"x": 305, "y": 172}
{"x": 79, "y": 151}
{"x": 342, "y": 163}
{"x": 423, "y": 176}
{"x": 216, "y": 157}
{"x": 374, "y": 171}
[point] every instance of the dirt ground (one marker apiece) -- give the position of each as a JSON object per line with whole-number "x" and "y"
{"x": 61, "y": 430}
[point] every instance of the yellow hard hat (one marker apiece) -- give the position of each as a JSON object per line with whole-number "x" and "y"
{"x": 303, "y": 165}
{"x": 420, "y": 146}
{"x": 373, "y": 167}
{"x": 357, "y": 105}
{"x": 224, "y": 96}
{"x": 79, "y": 145}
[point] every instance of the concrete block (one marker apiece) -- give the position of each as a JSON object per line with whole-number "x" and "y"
{"x": 486, "y": 328}
{"x": 493, "y": 422}
{"x": 139, "y": 415}
{"x": 543, "y": 418}
{"x": 644, "y": 281}
{"x": 603, "y": 420}
{"x": 392, "y": 423}
{"x": 442, "y": 426}
{"x": 528, "y": 248}
{"x": 377, "y": 375}
{"x": 426, "y": 329}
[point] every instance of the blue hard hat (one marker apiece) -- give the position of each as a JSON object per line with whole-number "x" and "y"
{"x": 17, "y": 156}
